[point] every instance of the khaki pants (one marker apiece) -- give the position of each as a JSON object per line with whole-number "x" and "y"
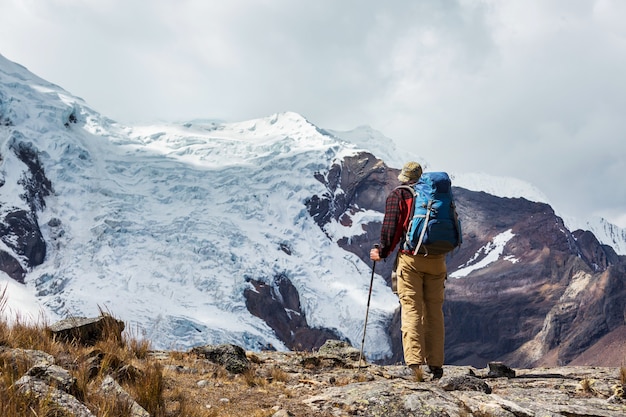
{"x": 421, "y": 290}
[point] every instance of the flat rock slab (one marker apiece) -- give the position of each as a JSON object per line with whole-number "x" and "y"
{"x": 554, "y": 392}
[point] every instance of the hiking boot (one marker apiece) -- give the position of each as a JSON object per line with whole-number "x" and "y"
{"x": 436, "y": 371}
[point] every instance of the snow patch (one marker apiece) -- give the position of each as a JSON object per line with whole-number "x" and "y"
{"x": 337, "y": 231}
{"x": 18, "y": 303}
{"x": 486, "y": 255}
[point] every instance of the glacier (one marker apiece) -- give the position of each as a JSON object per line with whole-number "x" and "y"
{"x": 164, "y": 225}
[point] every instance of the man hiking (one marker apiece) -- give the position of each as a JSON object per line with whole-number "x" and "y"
{"x": 420, "y": 281}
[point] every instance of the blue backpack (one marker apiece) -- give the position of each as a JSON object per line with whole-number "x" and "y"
{"x": 435, "y": 227}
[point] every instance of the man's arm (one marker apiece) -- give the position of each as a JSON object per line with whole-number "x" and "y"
{"x": 391, "y": 231}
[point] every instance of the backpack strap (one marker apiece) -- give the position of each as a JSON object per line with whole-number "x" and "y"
{"x": 407, "y": 187}
{"x": 429, "y": 208}
{"x": 412, "y": 213}
{"x": 457, "y": 225}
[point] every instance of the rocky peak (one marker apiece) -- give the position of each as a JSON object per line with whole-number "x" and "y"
{"x": 36, "y": 185}
{"x": 597, "y": 256}
{"x": 352, "y": 184}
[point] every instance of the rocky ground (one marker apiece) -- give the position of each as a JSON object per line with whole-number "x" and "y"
{"x": 331, "y": 383}
{"x": 226, "y": 381}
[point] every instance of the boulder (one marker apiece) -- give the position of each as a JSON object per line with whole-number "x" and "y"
{"x": 58, "y": 400}
{"x": 87, "y": 331}
{"x": 111, "y": 387}
{"x": 231, "y": 357}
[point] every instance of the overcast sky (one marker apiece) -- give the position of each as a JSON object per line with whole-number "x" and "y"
{"x": 531, "y": 89}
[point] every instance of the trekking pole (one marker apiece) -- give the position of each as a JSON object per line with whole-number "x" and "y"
{"x": 367, "y": 310}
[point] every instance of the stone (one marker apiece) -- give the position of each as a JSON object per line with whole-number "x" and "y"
{"x": 464, "y": 383}
{"x": 498, "y": 369}
{"x": 231, "y": 357}
{"x": 28, "y": 385}
{"x": 87, "y": 331}
{"x": 110, "y": 386}
{"x": 54, "y": 376}
{"x": 340, "y": 348}
{"x": 26, "y": 358}
{"x": 283, "y": 413}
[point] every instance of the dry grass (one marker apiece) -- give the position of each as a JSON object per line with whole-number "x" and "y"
{"x": 166, "y": 384}
{"x": 175, "y": 383}
{"x": 586, "y": 388}
{"x": 419, "y": 374}
{"x": 161, "y": 393}
{"x": 278, "y": 375}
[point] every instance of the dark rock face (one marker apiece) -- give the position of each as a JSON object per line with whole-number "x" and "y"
{"x": 278, "y": 304}
{"x": 11, "y": 267}
{"x": 598, "y": 256}
{"x": 551, "y": 294}
{"x": 36, "y": 185}
{"x": 362, "y": 182}
{"x": 19, "y": 229}
{"x": 359, "y": 181}
{"x": 573, "y": 326}
{"x": 495, "y": 311}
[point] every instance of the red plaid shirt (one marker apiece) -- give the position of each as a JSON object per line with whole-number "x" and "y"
{"x": 396, "y": 221}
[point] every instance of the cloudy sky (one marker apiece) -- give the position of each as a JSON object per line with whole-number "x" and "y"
{"x": 531, "y": 89}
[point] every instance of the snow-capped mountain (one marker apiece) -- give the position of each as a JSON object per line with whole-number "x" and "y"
{"x": 499, "y": 186}
{"x": 383, "y": 147}
{"x": 521, "y": 287}
{"x": 168, "y": 226}
{"x": 606, "y": 232}
{"x": 164, "y": 225}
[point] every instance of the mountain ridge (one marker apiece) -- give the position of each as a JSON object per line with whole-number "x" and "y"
{"x": 114, "y": 189}
{"x": 520, "y": 305}
{"x": 191, "y": 217}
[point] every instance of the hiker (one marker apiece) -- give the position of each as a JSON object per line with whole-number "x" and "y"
{"x": 420, "y": 281}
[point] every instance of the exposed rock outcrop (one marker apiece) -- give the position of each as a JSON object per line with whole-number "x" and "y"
{"x": 24, "y": 245}
{"x": 231, "y": 357}
{"x": 19, "y": 231}
{"x": 278, "y": 304}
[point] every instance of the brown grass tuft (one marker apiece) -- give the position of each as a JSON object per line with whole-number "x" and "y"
{"x": 585, "y": 387}
{"x": 418, "y": 374}
{"x": 278, "y": 375}
{"x": 148, "y": 389}
{"x": 252, "y": 379}
{"x": 103, "y": 405}
{"x": 175, "y": 384}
